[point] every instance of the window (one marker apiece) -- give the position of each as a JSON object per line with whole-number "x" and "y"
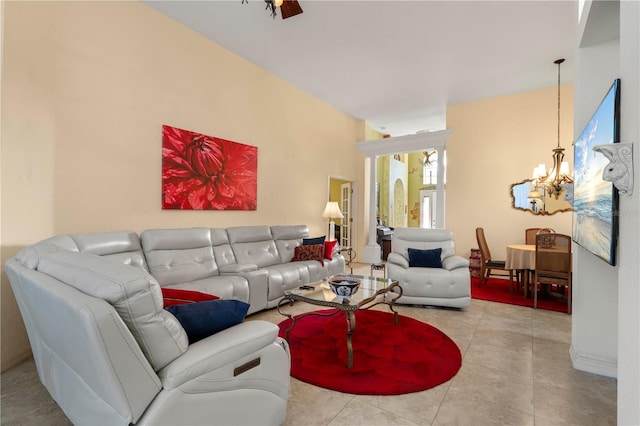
{"x": 430, "y": 167}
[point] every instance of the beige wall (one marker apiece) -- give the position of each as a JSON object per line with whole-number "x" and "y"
{"x": 86, "y": 89}
{"x": 87, "y": 86}
{"x": 497, "y": 142}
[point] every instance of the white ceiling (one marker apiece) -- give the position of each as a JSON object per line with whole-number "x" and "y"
{"x": 396, "y": 64}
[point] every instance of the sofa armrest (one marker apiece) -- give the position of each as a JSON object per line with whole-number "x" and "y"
{"x": 337, "y": 255}
{"x": 223, "y": 350}
{"x": 454, "y": 262}
{"x": 397, "y": 259}
{"x": 258, "y": 283}
{"x": 237, "y": 268}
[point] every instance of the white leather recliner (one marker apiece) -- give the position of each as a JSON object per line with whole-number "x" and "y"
{"x": 448, "y": 285}
{"x": 109, "y": 354}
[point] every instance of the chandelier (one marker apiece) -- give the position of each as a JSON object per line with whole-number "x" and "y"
{"x": 288, "y": 8}
{"x": 559, "y": 174}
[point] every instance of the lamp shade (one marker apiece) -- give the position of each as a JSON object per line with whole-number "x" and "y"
{"x": 332, "y": 210}
{"x": 539, "y": 171}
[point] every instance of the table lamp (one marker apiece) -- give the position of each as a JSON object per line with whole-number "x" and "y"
{"x": 332, "y": 211}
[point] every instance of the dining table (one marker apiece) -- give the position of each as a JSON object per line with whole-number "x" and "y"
{"x": 521, "y": 257}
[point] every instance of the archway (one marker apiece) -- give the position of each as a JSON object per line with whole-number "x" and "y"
{"x": 399, "y": 195}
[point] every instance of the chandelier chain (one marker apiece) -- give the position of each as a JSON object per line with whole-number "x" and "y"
{"x": 559, "y": 62}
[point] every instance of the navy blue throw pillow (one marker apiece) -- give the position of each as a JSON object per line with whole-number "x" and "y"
{"x": 313, "y": 241}
{"x": 425, "y": 258}
{"x": 202, "y": 319}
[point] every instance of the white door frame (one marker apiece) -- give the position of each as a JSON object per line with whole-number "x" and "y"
{"x": 353, "y": 204}
{"x": 345, "y": 206}
{"x": 432, "y": 194}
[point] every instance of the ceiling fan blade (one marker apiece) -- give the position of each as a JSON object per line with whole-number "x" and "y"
{"x": 290, "y": 8}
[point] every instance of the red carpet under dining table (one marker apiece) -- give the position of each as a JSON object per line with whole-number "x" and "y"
{"x": 497, "y": 290}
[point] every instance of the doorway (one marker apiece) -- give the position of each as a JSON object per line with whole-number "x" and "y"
{"x": 427, "y": 209}
{"x": 343, "y": 192}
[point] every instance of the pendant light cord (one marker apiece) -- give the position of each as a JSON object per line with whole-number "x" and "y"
{"x": 559, "y": 61}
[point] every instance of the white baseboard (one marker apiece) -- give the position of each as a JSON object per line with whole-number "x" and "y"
{"x": 596, "y": 364}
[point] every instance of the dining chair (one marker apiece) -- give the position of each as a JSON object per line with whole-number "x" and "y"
{"x": 530, "y": 239}
{"x": 530, "y": 235}
{"x": 487, "y": 264}
{"x": 553, "y": 265}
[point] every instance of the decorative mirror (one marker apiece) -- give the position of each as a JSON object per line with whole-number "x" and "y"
{"x": 526, "y": 196}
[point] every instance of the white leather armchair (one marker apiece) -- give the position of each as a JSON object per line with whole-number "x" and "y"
{"x": 448, "y": 285}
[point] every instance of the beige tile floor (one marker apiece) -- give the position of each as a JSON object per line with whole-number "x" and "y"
{"x": 516, "y": 370}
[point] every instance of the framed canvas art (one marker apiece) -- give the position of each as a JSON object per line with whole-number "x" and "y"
{"x": 201, "y": 172}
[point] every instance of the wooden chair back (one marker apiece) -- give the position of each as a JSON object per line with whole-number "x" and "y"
{"x": 545, "y": 231}
{"x": 488, "y": 265}
{"x": 553, "y": 258}
{"x": 530, "y": 235}
{"x": 553, "y": 264}
{"x": 485, "y": 254}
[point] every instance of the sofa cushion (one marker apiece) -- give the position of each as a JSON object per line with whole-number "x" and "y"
{"x": 120, "y": 246}
{"x": 437, "y": 284}
{"x": 329, "y": 246}
{"x": 286, "y": 249}
{"x": 313, "y": 241}
{"x": 178, "y": 255}
{"x": 289, "y": 232}
{"x": 202, "y": 319}
{"x": 287, "y": 238}
{"x": 134, "y": 294}
{"x": 176, "y": 296}
{"x": 309, "y": 252}
{"x": 222, "y": 251}
{"x": 422, "y": 238}
{"x": 286, "y": 276}
{"x": 425, "y": 258}
{"x": 248, "y": 234}
{"x": 224, "y": 286}
{"x": 261, "y": 253}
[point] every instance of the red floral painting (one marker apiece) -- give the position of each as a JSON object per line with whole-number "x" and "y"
{"x": 201, "y": 172}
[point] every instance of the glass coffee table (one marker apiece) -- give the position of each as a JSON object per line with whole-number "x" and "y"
{"x": 372, "y": 291}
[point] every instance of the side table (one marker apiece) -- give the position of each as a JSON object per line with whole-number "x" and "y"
{"x": 379, "y": 267}
{"x": 351, "y": 254}
{"x": 474, "y": 263}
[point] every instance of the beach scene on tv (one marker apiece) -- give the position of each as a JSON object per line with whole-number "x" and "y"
{"x": 593, "y": 202}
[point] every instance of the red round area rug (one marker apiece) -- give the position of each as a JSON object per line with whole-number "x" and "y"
{"x": 388, "y": 359}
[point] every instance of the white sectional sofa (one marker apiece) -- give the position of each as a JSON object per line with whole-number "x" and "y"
{"x": 107, "y": 351}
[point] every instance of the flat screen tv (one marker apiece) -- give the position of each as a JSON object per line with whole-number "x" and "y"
{"x": 595, "y": 201}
